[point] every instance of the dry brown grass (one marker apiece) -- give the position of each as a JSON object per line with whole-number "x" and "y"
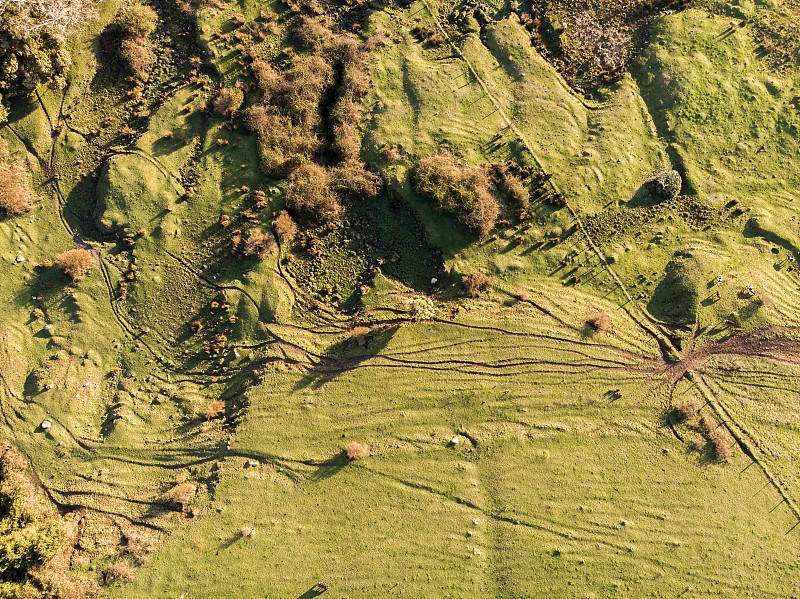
{"x": 180, "y": 495}
{"x": 259, "y": 244}
{"x": 75, "y": 263}
{"x": 285, "y": 227}
{"x": 15, "y": 190}
{"x": 355, "y": 451}
{"x": 476, "y": 283}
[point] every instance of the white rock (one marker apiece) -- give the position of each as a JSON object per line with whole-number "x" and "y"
{"x": 46, "y": 424}
{"x": 434, "y": 280}
{"x": 48, "y": 327}
{"x": 253, "y": 463}
{"x": 455, "y": 440}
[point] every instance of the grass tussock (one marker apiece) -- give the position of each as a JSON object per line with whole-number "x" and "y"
{"x": 75, "y": 263}
{"x": 685, "y": 411}
{"x": 459, "y": 190}
{"x": 120, "y": 571}
{"x": 212, "y": 410}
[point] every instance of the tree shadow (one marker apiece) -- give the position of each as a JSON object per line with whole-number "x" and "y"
{"x": 347, "y": 354}
{"x": 328, "y": 468}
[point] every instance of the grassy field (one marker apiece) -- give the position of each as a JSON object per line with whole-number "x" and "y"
{"x": 562, "y": 431}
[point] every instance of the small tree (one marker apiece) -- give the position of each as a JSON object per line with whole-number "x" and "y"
{"x": 180, "y": 494}
{"x": 75, "y": 263}
{"x": 665, "y": 184}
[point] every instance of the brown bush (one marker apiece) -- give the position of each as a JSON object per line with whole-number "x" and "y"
{"x": 180, "y": 494}
{"x": 282, "y": 146}
{"x": 355, "y": 451}
{"x": 717, "y": 437}
{"x": 461, "y": 191}
{"x": 309, "y": 193}
{"x": 312, "y": 33}
{"x": 476, "y": 283}
{"x": 228, "y": 100}
{"x": 376, "y": 41}
{"x": 392, "y": 155}
{"x": 601, "y": 323}
{"x": 353, "y": 179}
{"x": 15, "y": 190}
{"x": 120, "y": 570}
{"x": 359, "y": 335}
{"x": 685, "y": 411}
{"x": 285, "y": 227}
{"x": 75, "y": 263}
{"x": 512, "y": 185}
{"x": 213, "y": 409}
{"x": 136, "y": 54}
{"x": 260, "y": 244}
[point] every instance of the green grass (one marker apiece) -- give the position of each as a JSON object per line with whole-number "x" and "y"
{"x": 567, "y": 479}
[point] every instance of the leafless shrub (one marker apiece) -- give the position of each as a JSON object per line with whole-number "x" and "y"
{"x": 355, "y": 451}
{"x": 213, "y": 409}
{"x": 353, "y": 179}
{"x": 512, "y": 185}
{"x": 260, "y": 244}
{"x": 285, "y": 227}
{"x": 476, "y": 283}
{"x": 59, "y": 17}
{"x": 15, "y": 190}
{"x": 75, "y": 263}
{"x": 228, "y": 100}
{"x": 180, "y": 494}
{"x": 282, "y": 146}
{"x": 248, "y": 531}
{"x": 601, "y": 323}
{"x": 309, "y": 193}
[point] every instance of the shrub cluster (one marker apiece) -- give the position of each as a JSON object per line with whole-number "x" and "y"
{"x": 311, "y": 108}
{"x": 126, "y": 39}
{"x": 31, "y": 50}
{"x": 460, "y": 190}
{"x": 75, "y": 263}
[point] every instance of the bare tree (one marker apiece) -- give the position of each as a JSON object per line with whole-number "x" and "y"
{"x": 59, "y": 17}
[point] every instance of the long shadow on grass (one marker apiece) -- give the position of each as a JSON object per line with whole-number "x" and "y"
{"x": 329, "y": 467}
{"x": 347, "y": 354}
